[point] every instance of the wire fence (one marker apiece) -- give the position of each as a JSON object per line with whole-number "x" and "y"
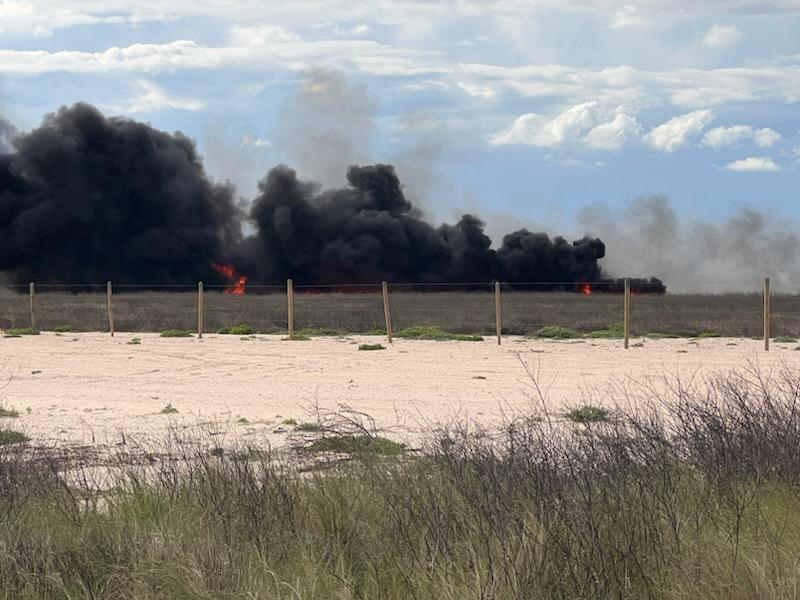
{"x": 597, "y": 309}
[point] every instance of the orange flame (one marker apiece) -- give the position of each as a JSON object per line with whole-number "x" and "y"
{"x": 586, "y": 289}
{"x": 237, "y": 281}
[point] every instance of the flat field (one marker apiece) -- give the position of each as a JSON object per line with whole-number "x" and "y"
{"x": 524, "y": 312}
{"x": 91, "y": 389}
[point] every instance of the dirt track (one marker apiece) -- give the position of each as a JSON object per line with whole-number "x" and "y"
{"x": 83, "y": 389}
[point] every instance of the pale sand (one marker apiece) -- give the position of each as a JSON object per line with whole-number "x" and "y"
{"x": 77, "y": 389}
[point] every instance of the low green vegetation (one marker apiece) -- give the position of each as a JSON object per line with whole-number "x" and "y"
{"x": 240, "y": 329}
{"x": 557, "y": 332}
{"x": 290, "y": 422}
{"x": 169, "y": 410}
{"x": 134, "y": 341}
{"x": 176, "y": 333}
{"x": 63, "y": 328}
{"x": 587, "y": 414}
{"x": 708, "y": 334}
{"x": 429, "y": 332}
{"x": 8, "y": 413}
{"x": 663, "y": 336}
{"x": 785, "y": 339}
{"x": 320, "y": 332}
{"x": 371, "y": 347}
{"x": 18, "y": 332}
{"x": 297, "y": 337}
{"x": 9, "y": 437}
{"x": 355, "y": 445}
{"x": 612, "y": 332}
{"x": 308, "y": 427}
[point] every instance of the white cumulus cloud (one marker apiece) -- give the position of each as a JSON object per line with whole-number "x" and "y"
{"x": 676, "y": 132}
{"x": 753, "y": 164}
{"x": 614, "y": 134}
{"x": 721, "y": 36}
{"x": 586, "y": 123}
{"x": 728, "y": 136}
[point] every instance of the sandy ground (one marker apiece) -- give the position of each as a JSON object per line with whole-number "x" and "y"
{"x": 92, "y": 389}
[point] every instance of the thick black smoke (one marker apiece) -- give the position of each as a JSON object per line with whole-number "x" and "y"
{"x": 85, "y": 199}
{"x": 369, "y": 232}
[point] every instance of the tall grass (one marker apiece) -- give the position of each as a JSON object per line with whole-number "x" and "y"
{"x": 693, "y": 494}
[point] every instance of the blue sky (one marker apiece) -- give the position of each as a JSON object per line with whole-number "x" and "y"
{"x": 526, "y": 112}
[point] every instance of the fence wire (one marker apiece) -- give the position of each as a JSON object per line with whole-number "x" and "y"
{"x": 459, "y": 308}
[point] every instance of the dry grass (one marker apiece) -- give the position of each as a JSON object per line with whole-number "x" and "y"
{"x": 694, "y": 494}
{"x": 735, "y": 315}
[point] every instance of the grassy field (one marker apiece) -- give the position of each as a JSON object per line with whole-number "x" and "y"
{"x": 737, "y": 315}
{"x": 695, "y": 495}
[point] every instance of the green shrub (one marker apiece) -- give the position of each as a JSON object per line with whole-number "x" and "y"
{"x": 355, "y": 444}
{"x": 63, "y": 328}
{"x": 175, "y": 333}
{"x": 297, "y": 337}
{"x": 8, "y": 413}
{"x": 20, "y": 332}
{"x": 372, "y": 347}
{"x": 785, "y": 339}
{"x": 588, "y": 414}
{"x": 662, "y": 336}
{"x": 557, "y": 332}
{"x": 290, "y": 422}
{"x": 430, "y": 332}
{"x": 240, "y": 329}
{"x": 8, "y": 437}
{"x": 612, "y": 332}
{"x": 319, "y": 331}
{"x": 308, "y": 427}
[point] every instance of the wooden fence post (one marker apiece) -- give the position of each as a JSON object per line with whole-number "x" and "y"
{"x": 387, "y": 313}
{"x": 498, "y": 312}
{"x": 627, "y": 309}
{"x": 32, "y": 292}
{"x": 766, "y": 314}
{"x": 200, "y": 309}
{"x": 110, "y": 309}
{"x": 290, "y": 306}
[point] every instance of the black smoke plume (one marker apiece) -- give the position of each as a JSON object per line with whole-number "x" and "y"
{"x": 86, "y": 199}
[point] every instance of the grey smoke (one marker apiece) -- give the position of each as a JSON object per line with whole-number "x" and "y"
{"x": 326, "y": 126}
{"x": 691, "y": 255}
{"x": 7, "y": 133}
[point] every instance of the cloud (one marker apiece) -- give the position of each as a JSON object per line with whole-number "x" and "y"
{"x": 586, "y": 123}
{"x": 720, "y": 137}
{"x": 721, "y": 36}
{"x": 252, "y": 140}
{"x": 152, "y": 98}
{"x": 261, "y": 35}
{"x": 676, "y": 132}
{"x": 614, "y": 134}
{"x": 686, "y": 87}
{"x": 628, "y": 15}
{"x": 753, "y": 164}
